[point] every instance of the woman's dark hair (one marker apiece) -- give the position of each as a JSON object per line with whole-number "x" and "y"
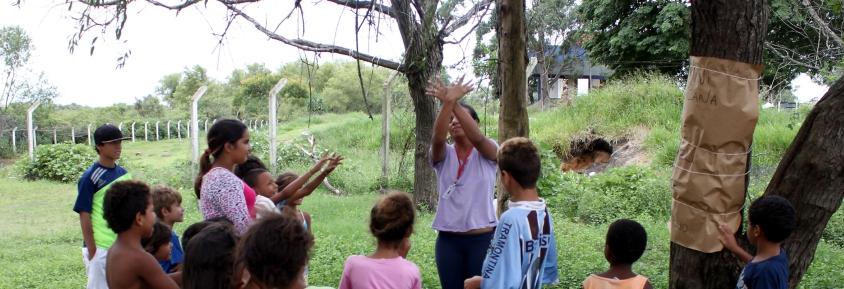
{"x": 275, "y": 250}
{"x": 223, "y": 132}
{"x": 252, "y": 162}
{"x": 160, "y": 237}
{"x": 392, "y": 217}
{"x": 626, "y": 241}
{"x": 285, "y": 179}
{"x": 472, "y": 111}
{"x": 209, "y": 258}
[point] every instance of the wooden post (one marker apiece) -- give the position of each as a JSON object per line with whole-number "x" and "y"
{"x": 30, "y": 130}
{"x": 156, "y": 130}
{"x": 72, "y": 135}
{"x": 133, "y": 131}
{"x": 528, "y": 72}
{"x": 168, "y": 129}
{"x": 55, "y": 139}
{"x": 120, "y": 126}
{"x": 273, "y": 119}
{"x": 14, "y": 148}
{"x": 179, "y": 129}
{"x": 146, "y": 131}
{"x": 194, "y": 124}
{"x": 385, "y": 128}
{"x": 90, "y": 139}
{"x": 206, "y": 125}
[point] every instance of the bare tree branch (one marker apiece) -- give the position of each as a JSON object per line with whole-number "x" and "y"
{"x": 478, "y": 23}
{"x": 463, "y": 20}
{"x": 824, "y": 27}
{"x": 319, "y": 47}
{"x": 384, "y": 9}
{"x": 786, "y": 57}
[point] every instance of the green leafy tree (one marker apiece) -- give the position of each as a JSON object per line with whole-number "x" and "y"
{"x": 15, "y": 50}
{"x": 149, "y": 107}
{"x": 633, "y": 35}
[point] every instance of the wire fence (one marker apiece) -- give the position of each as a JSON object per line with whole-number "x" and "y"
{"x": 14, "y": 141}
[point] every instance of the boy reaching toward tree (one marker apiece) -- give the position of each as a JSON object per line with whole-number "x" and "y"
{"x": 770, "y": 221}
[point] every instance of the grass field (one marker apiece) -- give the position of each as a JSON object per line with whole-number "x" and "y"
{"x": 40, "y": 238}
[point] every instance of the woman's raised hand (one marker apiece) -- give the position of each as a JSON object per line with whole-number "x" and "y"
{"x": 436, "y": 89}
{"x": 459, "y": 89}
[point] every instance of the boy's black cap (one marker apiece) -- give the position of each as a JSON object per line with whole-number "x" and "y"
{"x": 108, "y": 133}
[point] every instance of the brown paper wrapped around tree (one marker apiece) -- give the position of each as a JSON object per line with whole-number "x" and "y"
{"x": 720, "y": 110}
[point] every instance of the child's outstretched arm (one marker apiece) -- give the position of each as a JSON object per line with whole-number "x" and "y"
{"x": 728, "y": 238}
{"x": 288, "y": 192}
{"x": 334, "y": 160}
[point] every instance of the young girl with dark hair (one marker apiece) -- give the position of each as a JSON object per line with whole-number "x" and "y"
{"x": 220, "y": 192}
{"x": 391, "y": 222}
{"x": 273, "y": 254}
{"x": 209, "y": 258}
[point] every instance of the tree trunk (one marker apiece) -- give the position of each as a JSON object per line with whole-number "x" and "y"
{"x": 811, "y": 177}
{"x": 512, "y": 62}
{"x": 732, "y": 30}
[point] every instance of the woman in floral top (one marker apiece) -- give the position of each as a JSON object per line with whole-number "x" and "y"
{"x": 220, "y": 192}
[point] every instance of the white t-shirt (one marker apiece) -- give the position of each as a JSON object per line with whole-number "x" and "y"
{"x": 264, "y": 207}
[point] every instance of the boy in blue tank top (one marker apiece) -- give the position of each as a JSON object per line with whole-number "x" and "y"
{"x": 523, "y": 251}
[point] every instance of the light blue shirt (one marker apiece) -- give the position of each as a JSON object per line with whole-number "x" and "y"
{"x": 523, "y": 252}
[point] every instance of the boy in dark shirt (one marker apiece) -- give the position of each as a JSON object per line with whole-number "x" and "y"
{"x": 770, "y": 221}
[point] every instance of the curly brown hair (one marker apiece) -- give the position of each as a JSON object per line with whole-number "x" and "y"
{"x": 164, "y": 197}
{"x": 392, "y": 218}
{"x": 275, "y": 251}
{"x": 123, "y": 201}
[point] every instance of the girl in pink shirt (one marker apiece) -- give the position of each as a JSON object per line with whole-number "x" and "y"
{"x": 391, "y": 222}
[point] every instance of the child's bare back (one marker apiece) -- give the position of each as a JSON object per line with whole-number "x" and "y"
{"x": 128, "y": 211}
{"x": 130, "y": 267}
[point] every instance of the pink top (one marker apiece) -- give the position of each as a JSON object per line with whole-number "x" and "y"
{"x": 223, "y": 194}
{"x": 361, "y": 272}
{"x": 250, "y": 196}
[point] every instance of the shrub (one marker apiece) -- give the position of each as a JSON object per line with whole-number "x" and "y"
{"x": 59, "y": 162}
{"x": 626, "y": 192}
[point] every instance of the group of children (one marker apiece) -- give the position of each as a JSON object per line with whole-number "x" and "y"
{"x": 274, "y": 251}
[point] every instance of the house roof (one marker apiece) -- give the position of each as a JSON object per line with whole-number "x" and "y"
{"x": 573, "y": 63}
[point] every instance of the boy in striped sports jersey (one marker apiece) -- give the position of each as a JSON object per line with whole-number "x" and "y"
{"x": 93, "y": 184}
{"x": 523, "y": 252}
